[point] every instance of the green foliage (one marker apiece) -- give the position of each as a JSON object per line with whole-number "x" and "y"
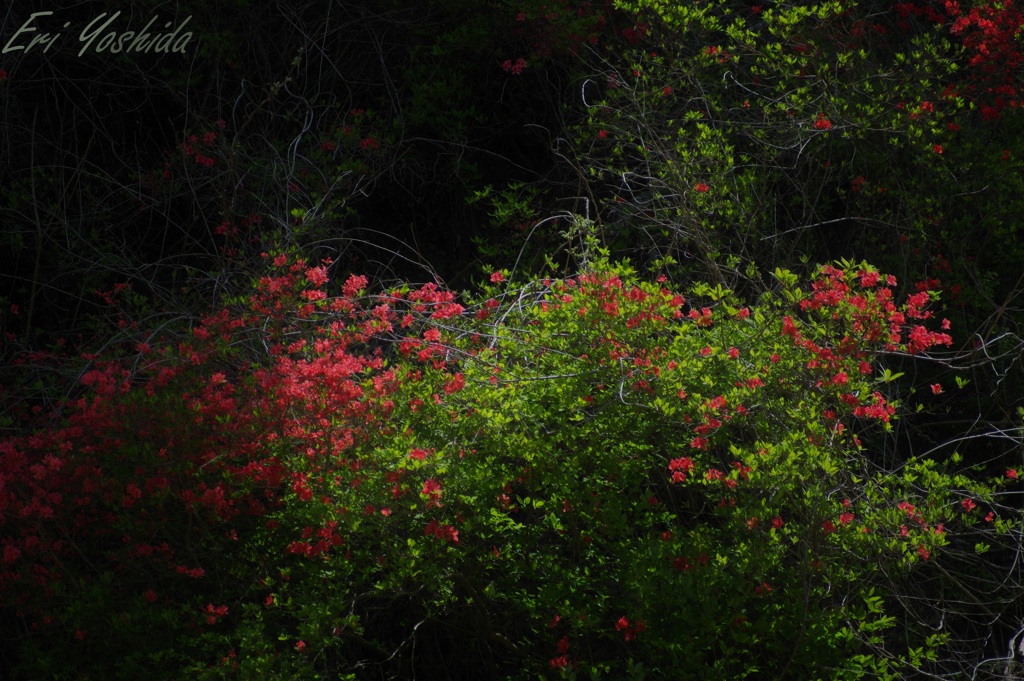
{"x": 588, "y": 477}
{"x": 728, "y": 135}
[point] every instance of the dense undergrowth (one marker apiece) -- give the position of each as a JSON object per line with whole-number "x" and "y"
{"x": 583, "y": 475}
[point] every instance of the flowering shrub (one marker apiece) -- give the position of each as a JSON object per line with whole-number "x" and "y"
{"x": 733, "y": 136}
{"x": 587, "y": 475}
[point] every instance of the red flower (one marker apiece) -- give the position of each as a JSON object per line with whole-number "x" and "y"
{"x": 968, "y": 504}
{"x": 868, "y": 279}
{"x": 822, "y": 123}
{"x": 936, "y": 388}
{"x": 432, "y": 490}
{"x": 457, "y": 383}
{"x": 443, "y": 532}
{"x": 1011, "y": 473}
{"x": 497, "y": 277}
{"x": 681, "y": 467}
{"x": 701, "y": 187}
{"x": 630, "y": 631}
{"x": 515, "y": 68}
{"x": 317, "y": 275}
{"x": 213, "y": 613}
{"x": 563, "y": 644}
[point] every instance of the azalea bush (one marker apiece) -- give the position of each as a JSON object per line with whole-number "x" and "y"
{"x": 740, "y": 136}
{"x": 593, "y": 476}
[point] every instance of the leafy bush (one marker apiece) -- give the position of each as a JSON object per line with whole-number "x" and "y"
{"x": 581, "y": 476}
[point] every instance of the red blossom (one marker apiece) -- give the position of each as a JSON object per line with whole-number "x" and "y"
{"x": 681, "y": 467}
{"x": 214, "y": 613}
{"x": 317, "y": 275}
{"x": 432, "y": 490}
{"x": 441, "y": 531}
{"x": 514, "y": 67}
{"x": 630, "y": 631}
